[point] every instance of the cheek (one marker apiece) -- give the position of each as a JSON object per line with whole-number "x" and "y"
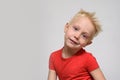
{"x": 82, "y": 43}
{"x": 67, "y": 36}
{"x": 69, "y": 33}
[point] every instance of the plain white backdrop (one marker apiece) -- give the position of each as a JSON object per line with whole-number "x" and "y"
{"x": 31, "y": 29}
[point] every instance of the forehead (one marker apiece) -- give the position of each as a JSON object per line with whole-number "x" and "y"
{"x": 85, "y": 23}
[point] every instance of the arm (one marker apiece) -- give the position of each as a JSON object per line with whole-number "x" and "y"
{"x": 97, "y": 74}
{"x": 52, "y": 75}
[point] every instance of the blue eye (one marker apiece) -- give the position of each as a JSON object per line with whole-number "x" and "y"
{"x": 75, "y": 28}
{"x": 84, "y": 36}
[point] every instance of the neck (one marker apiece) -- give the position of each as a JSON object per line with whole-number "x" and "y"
{"x": 68, "y": 52}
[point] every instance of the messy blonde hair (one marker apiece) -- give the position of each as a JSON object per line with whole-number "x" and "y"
{"x": 93, "y": 19}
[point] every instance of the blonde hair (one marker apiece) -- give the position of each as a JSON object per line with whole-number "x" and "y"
{"x": 93, "y": 19}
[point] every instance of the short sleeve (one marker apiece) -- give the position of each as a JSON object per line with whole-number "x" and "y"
{"x": 91, "y": 63}
{"x": 51, "y": 62}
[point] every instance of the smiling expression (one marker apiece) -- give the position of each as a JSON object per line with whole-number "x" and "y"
{"x": 79, "y": 33}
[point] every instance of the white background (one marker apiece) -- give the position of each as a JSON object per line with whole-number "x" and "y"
{"x": 31, "y": 29}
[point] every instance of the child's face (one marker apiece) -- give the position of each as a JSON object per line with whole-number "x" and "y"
{"x": 79, "y": 33}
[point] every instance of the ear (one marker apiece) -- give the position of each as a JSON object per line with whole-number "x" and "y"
{"x": 90, "y": 42}
{"x": 66, "y": 27}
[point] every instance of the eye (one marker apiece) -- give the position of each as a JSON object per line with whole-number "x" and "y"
{"x": 75, "y": 28}
{"x": 85, "y": 36}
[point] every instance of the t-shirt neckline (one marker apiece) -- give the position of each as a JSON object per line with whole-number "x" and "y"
{"x": 77, "y": 53}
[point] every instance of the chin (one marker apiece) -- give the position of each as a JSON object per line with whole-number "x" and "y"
{"x": 69, "y": 45}
{"x": 74, "y": 47}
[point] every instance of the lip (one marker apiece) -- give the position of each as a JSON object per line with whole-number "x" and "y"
{"x": 74, "y": 42}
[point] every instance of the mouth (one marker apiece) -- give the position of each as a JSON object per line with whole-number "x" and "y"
{"x": 74, "y": 42}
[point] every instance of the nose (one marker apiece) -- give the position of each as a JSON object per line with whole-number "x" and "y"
{"x": 77, "y": 35}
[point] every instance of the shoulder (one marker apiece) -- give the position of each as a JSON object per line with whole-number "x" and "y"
{"x": 89, "y": 57}
{"x": 56, "y": 53}
{"x": 91, "y": 62}
{"x": 85, "y": 57}
{"x": 86, "y": 54}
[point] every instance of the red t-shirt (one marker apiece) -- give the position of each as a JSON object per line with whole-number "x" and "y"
{"x": 77, "y": 67}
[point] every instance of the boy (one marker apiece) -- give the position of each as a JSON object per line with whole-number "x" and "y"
{"x": 72, "y": 62}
